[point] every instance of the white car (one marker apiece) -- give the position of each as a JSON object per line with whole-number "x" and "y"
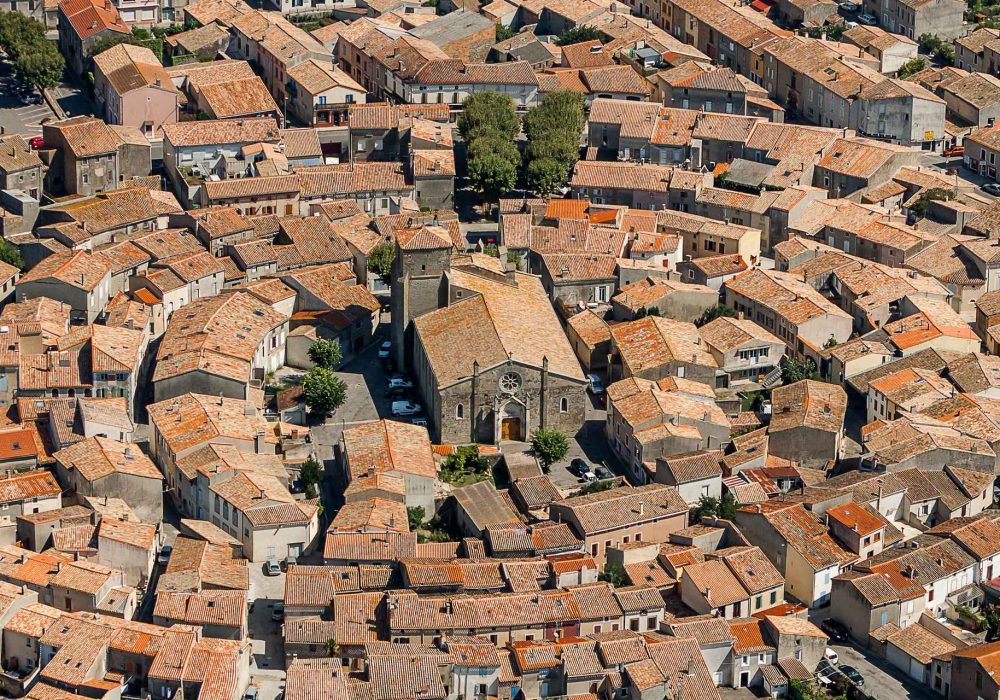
{"x": 400, "y": 384}
{"x": 406, "y": 408}
{"x": 383, "y": 350}
{"x": 831, "y": 656}
{"x": 870, "y": 20}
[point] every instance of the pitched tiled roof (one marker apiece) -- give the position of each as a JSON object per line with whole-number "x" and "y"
{"x": 621, "y": 507}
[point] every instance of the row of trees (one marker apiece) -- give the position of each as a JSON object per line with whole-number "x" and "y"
{"x": 553, "y": 130}
{"x": 35, "y": 59}
{"x": 489, "y": 125}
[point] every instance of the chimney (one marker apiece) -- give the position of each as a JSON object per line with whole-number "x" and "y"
{"x": 221, "y": 400}
{"x": 739, "y": 315}
{"x": 642, "y": 508}
{"x": 258, "y": 442}
{"x": 708, "y": 593}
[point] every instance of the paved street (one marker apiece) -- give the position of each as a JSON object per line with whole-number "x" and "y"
{"x": 268, "y": 666}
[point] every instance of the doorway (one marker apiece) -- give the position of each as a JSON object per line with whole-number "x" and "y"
{"x": 512, "y": 422}
{"x": 744, "y": 679}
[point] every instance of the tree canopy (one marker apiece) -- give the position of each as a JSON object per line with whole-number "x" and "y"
{"x": 553, "y": 128}
{"x": 380, "y": 260}
{"x": 550, "y": 445}
{"x": 793, "y": 370}
{"x": 490, "y": 111}
{"x": 324, "y": 391}
{"x": 11, "y": 254}
{"x": 35, "y": 59}
{"x": 574, "y": 35}
{"x": 492, "y": 175}
{"x": 326, "y": 353}
{"x": 489, "y": 125}
{"x": 713, "y": 313}
{"x": 914, "y": 65}
{"x": 311, "y": 476}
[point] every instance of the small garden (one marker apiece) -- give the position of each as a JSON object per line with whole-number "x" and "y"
{"x": 465, "y": 466}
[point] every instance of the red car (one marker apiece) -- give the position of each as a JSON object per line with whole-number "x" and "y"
{"x": 954, "y": 151}
{"x": 36, "y": 142}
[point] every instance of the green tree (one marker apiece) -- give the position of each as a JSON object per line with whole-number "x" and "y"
{"x": 553, "y": 128}
{"x": 35, "y": 60}
{"x": 562, "y": 147}
{"x": 11, "y": 254}
{"x": 933, "y": 194}
{"x": 912, "y": 67}
{"x": 415, "y": 516}
{"x": 311, "y": 476}
{"x": 929, "y": 43}
{"x": 559, "y": 111}
{"x": 492, "y": 176}
{"x": 41, "y": 65}
{"x": 544, "y": 176}
{"x": 323, "y": 390}
{"x": 488, "y": 111}
{"x": 574, "y": 35}
{"x": 326, "y": 353}
{"x": 380, "y": 260}
{"x": 727, "y": 506}
{"x": 713, "y": 313}
{"x": 614, "y": 573}
{"x": 332, "y": 647}
{"x": 489, "y": 144}
{"x": 706, "y": 506}
{"x": 793, "y": 370}
{"x": 550, "y": 445}
{"x": 503, "y": 33}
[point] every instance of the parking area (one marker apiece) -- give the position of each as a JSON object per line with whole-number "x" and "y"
{"x": 882, "y": 680}
{"x": 15, "y": 116}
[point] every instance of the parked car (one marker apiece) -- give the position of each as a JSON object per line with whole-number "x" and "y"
{"x": 603, "y": 473}
{"x": 164, "y": 556}
{"x": 870, "y": 20}
{"x": 419, "y": 420}
{"x": 278, "y": 613}
{"x": 383, "y": 350}
{"x": 36, "y": 142}
{"x": 406, "y": 408}
{"x": 992, "y": 188}
{"x": 831, "y": 656}
{"x": 400, "y": 384}
{"x": 251, "y": 693}
{"x": 578, "y": 467}
{"x": 272, "y": 567}
{"x": 835, "y": 629}
{"x": 595, "y": 386}
{"x": 852, "y": 675}
{"x": 849, "y": 24}
{"x": 827, "y": 674}
{"x": 848, "y": 6}
{"x": 954, "y": 151}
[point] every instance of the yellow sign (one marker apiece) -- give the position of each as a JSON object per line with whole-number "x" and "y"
{"x": 928, "y": 136}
